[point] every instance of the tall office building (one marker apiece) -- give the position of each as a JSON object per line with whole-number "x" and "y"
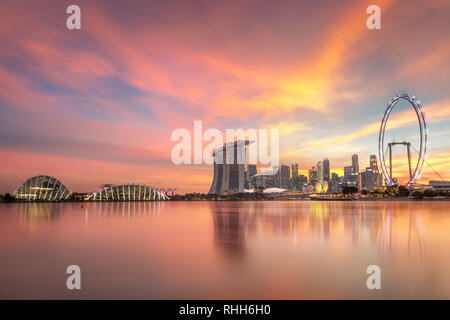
{"x": 374, "y": 162}
{"x": 229, "y": 177}
{"x": 378, "y": 176}
{"x": 320, "y": 172}
{"x": 251, "y": 170}
{"x": 285, "y": 177}
{"x": 312, "y": 177}
{"x": 326, "y": 169}
{"x": 348, "y": 171}
{"x": 301, "y": 181}
{"x": 334, "y": 184}
{"x": 369, "y": 179}
{"x": 294, "y": 170}
{"x": 355, "y": 163}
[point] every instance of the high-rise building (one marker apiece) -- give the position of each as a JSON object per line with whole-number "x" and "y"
{"x": 264, "y": 180}
{"x": 369, "y": 179}
{"x": 229, "y": 177}
{"x": 351, "y": 178}
{"x": 348, "y": 171}
{"x": 355, "y": 163}
{"x": 326, "y": 169}
{"x": 285, "y": 177}
{"x": 334, "y": 184}
{"x": 312, "y": 177}
{"x": 301, "y": 181}
{"x": 320, "y": 172}
{"x": 294, "y": 170}
{"x": 251, "y": 170}
{"x": 277, "y": 176}
{"x": 374, "y": 162}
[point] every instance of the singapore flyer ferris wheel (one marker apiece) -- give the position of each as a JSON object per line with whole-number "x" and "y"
{"x": 414, "y": 174}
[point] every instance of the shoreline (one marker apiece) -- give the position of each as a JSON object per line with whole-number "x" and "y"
{"x": 402, "y": 199}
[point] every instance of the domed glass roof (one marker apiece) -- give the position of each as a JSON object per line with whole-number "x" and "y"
{"x": 42, "y": 188}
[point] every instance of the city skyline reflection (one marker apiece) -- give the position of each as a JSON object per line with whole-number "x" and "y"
{"x": 227, "y": 249}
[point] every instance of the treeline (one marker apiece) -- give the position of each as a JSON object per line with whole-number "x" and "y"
{"x": 234, "y": 197}
{"x": 402, "y": 191}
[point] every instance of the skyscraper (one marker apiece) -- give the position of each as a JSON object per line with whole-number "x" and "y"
{"x": 251, "y": 170}
{"x": 368, "y": 179}
{"x": 326, "y": 169}
{"x": 294, "y": 170}
{"x": 312, "y": 177}
{"x": 374, "y": 162}
{"x": 320, "y": 172}
{"x": 334, "y": 184}
{"x": 355, "y": 163}
{"x": 285, "y": 177}
{"x": 348, "y": 171}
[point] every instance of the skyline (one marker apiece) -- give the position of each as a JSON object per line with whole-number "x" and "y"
{"x": 98, "y": 105}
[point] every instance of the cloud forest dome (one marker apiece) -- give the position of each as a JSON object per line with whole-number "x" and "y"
{"x": 130, "y": 192}
{"x": 42, "y": 188}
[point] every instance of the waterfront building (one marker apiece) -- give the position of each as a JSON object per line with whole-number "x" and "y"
{"x": 351, "y": 178}
{"x": 355, "y": 163}
{"x": 440, "y": 185}
{"x": 294, "y": 167}
{"x": 42, "y": 188}
{"x": 229, "y": 177}
{"x": 251, "y": 170}
{"x": 312, "y": 176}
{"x": 348, "y": 171}
{"x": 285, "y": 177}
{"x": 326, "y": 169}
{"x": 369, "y": 179}
{"x": 302, "y": 180}
{"x": 320, "y": 172}
{"x": 374, "y": 162}
{"x": 335, "y": 186}
{"x": 129, "y": 192}
{"x": 264, "y": 180}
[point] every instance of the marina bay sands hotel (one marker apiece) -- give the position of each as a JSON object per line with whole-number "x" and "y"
{"x": 229, "y": 168}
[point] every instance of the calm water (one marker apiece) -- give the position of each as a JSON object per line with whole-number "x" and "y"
{"x": 209, "y": 250}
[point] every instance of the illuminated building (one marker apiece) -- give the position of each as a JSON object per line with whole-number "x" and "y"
{"x": 229, "y": 168}
{"x": 42, "y": 188}
{"x": 294, "y": 167}
{"x": 312, "y": 176}
{"x": 129, "y": 192}
{"x": 320, "y": 172}
{"x": 326, "y": 169}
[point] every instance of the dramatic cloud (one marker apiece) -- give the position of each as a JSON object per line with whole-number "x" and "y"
{"x": 98, "y": 105}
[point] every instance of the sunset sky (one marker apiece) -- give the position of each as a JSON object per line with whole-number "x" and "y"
{"x": 98, "y": 105}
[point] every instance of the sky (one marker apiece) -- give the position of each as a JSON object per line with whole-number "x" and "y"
{"x": 99, "y": 105}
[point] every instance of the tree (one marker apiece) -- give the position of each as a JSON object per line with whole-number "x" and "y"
{"x": 403, "y": 191}
{"x": 417, "y": 194}
{"x": 349, "y": 190}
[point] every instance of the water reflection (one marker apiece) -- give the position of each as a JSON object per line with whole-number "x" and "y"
{"x": 235, "y": 223}
{"x": 229, "y": 231}
{"x": 199, "y": 250}
{"x": 39, "y": 215}
{"x": 126, "y": 210}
